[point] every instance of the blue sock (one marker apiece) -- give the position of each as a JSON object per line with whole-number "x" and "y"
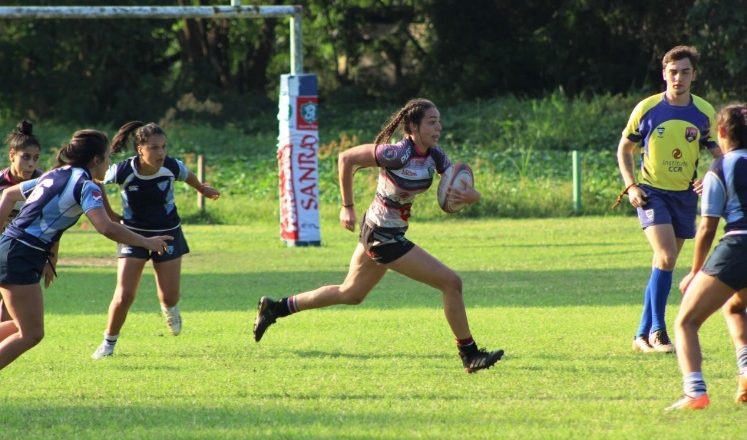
{"x": 660, "y": 284}
{"x": 644, "y": 328}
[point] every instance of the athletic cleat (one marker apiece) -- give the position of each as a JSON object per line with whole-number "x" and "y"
{"x": 640, "y": 344}
{"x": 173, "y": 319}
{"x": 741, "y": 389}
{"x": 265, "y": 317}
{"x": 659, "y": 341}
{"x": 687, "y": 402}
{"x": 104, "y": 350}
{"x": 479, "y": 359}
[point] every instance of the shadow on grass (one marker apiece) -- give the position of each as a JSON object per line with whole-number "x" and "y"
{"x": 84, "y": 292}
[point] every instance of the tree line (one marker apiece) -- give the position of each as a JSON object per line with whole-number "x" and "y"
{"x": 361, "y": 50}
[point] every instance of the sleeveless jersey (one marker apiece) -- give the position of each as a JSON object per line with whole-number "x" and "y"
{"x": 671, "y": 137}
{"x": 725, "y": 191}
{"x": 6, "y": 181}
{"x": 148, "y": 201}
{"x": 403, "y": 174}
{"x": 54, "y": 202}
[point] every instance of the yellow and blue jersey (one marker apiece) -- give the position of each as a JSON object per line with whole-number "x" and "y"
{"x": 670, "y": 138}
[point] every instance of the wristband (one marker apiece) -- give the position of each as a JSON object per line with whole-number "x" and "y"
{"x": 348, "y": 205}
{"x": 620, "y": 196}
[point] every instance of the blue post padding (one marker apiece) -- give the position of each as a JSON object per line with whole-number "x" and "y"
{"x": 307, "y": 85}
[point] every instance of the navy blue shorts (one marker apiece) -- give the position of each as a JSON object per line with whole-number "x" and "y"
{"x": 175, "y": 248}
{"x": 19, "y": 263}
{"x": 676, "y": 208}
{"x": 384, "y": 245}
{"x": 728, "y": 262}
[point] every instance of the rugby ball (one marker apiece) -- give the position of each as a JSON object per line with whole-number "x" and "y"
{"x": 458, "y": 176}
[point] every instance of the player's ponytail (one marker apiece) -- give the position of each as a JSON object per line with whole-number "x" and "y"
{"x": 412, "y": 112}
{"x": 83, "y": 147}
{"x": 140, "y": 132}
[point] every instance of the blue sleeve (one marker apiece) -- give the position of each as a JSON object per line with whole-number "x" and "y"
{"x": 111, "y": 174}
{"x": 176, "y": 166}
{"x": 27, "y": 186}
{"x": 714, "y": 196}
{"x": 90, "y": 196}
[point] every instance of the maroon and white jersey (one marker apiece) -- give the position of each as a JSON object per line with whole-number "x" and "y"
{"x": 403, "y": 174}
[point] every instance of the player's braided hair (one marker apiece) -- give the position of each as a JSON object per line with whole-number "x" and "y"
{"x": 733, "y": 118}
{"x": 412, "y": 112}
{"x": 82, "y": 148}
{"x": 21, "y": 137}
{"x": 141, "y": 132}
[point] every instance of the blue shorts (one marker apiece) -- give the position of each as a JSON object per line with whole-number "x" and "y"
{"x": 19, "y": 263}
{"x": 728, "y": 262}
{"x": 676, "y": 208}
{"x": 176, "y": 248}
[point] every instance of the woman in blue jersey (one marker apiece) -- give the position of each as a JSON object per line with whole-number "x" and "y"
{"x": 146, "y": 181}
{"x": 54, "y": 202}
{"x": 406, "y": 170}
{"x": 721, "y": 280}
{"x": 23, "y": 152}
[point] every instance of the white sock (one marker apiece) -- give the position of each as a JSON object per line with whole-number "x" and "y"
{"x": 110, "y": 339}
{"x": 742, "y": 360}
{"x": 693, "y": 384}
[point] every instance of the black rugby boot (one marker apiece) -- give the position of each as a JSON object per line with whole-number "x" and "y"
{"x": 475, "y": 359}
{"x": 266, "y": 316}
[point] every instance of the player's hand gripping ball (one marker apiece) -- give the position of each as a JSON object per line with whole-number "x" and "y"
{"x": 457, "y": 176}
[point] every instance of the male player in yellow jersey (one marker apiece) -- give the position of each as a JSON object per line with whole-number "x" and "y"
{"x": 667, "y": 129}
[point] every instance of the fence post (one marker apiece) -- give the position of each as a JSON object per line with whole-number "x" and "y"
{"x": 576, "y": 182}
{"x": 201, "y": 178}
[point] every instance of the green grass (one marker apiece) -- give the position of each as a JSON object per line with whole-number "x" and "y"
{"x": 561, "y": 296}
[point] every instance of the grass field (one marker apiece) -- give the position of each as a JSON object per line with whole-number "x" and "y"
{"x": 561, "y": 296}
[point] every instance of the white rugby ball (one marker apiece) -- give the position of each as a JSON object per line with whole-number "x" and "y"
{"x": 458, "y": 176}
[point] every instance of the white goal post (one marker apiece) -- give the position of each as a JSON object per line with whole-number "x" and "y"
{"x": 298, "y": 138}
{"x": 235, "y": 10}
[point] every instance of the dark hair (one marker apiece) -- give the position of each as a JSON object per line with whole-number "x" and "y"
{"x": 733, "y": 118}
{"x": 413, "y": 111}
{"x": 82, "y": 148}
{"x": 142, "y": 132}
{"x": 21, "y": 137}
{"x": 679, "y": 53}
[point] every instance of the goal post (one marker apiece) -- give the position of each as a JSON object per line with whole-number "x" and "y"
{"x": 297, "y": 107}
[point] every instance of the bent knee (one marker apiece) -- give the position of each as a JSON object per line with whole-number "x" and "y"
{"x": 33, "y": 337}
{"x": 452, "y": 284}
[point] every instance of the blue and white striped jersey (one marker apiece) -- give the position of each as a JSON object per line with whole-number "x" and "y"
{"x": 54, "y": 202}
{"x": 148, "y": 201}
{"x": 725, "y": 191}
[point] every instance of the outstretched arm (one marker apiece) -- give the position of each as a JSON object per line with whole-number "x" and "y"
{"x": 203, "y": 188}
{"x": 120, "y": 234}
{"x": 10, "y": 197}
{"x": 348, "y": 162}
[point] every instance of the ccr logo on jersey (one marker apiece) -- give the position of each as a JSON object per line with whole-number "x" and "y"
{"x": 306, "y": 112}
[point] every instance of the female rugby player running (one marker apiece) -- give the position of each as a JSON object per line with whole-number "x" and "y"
{"x": 406, "y": 170}
{"x": 722, "y": 280}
